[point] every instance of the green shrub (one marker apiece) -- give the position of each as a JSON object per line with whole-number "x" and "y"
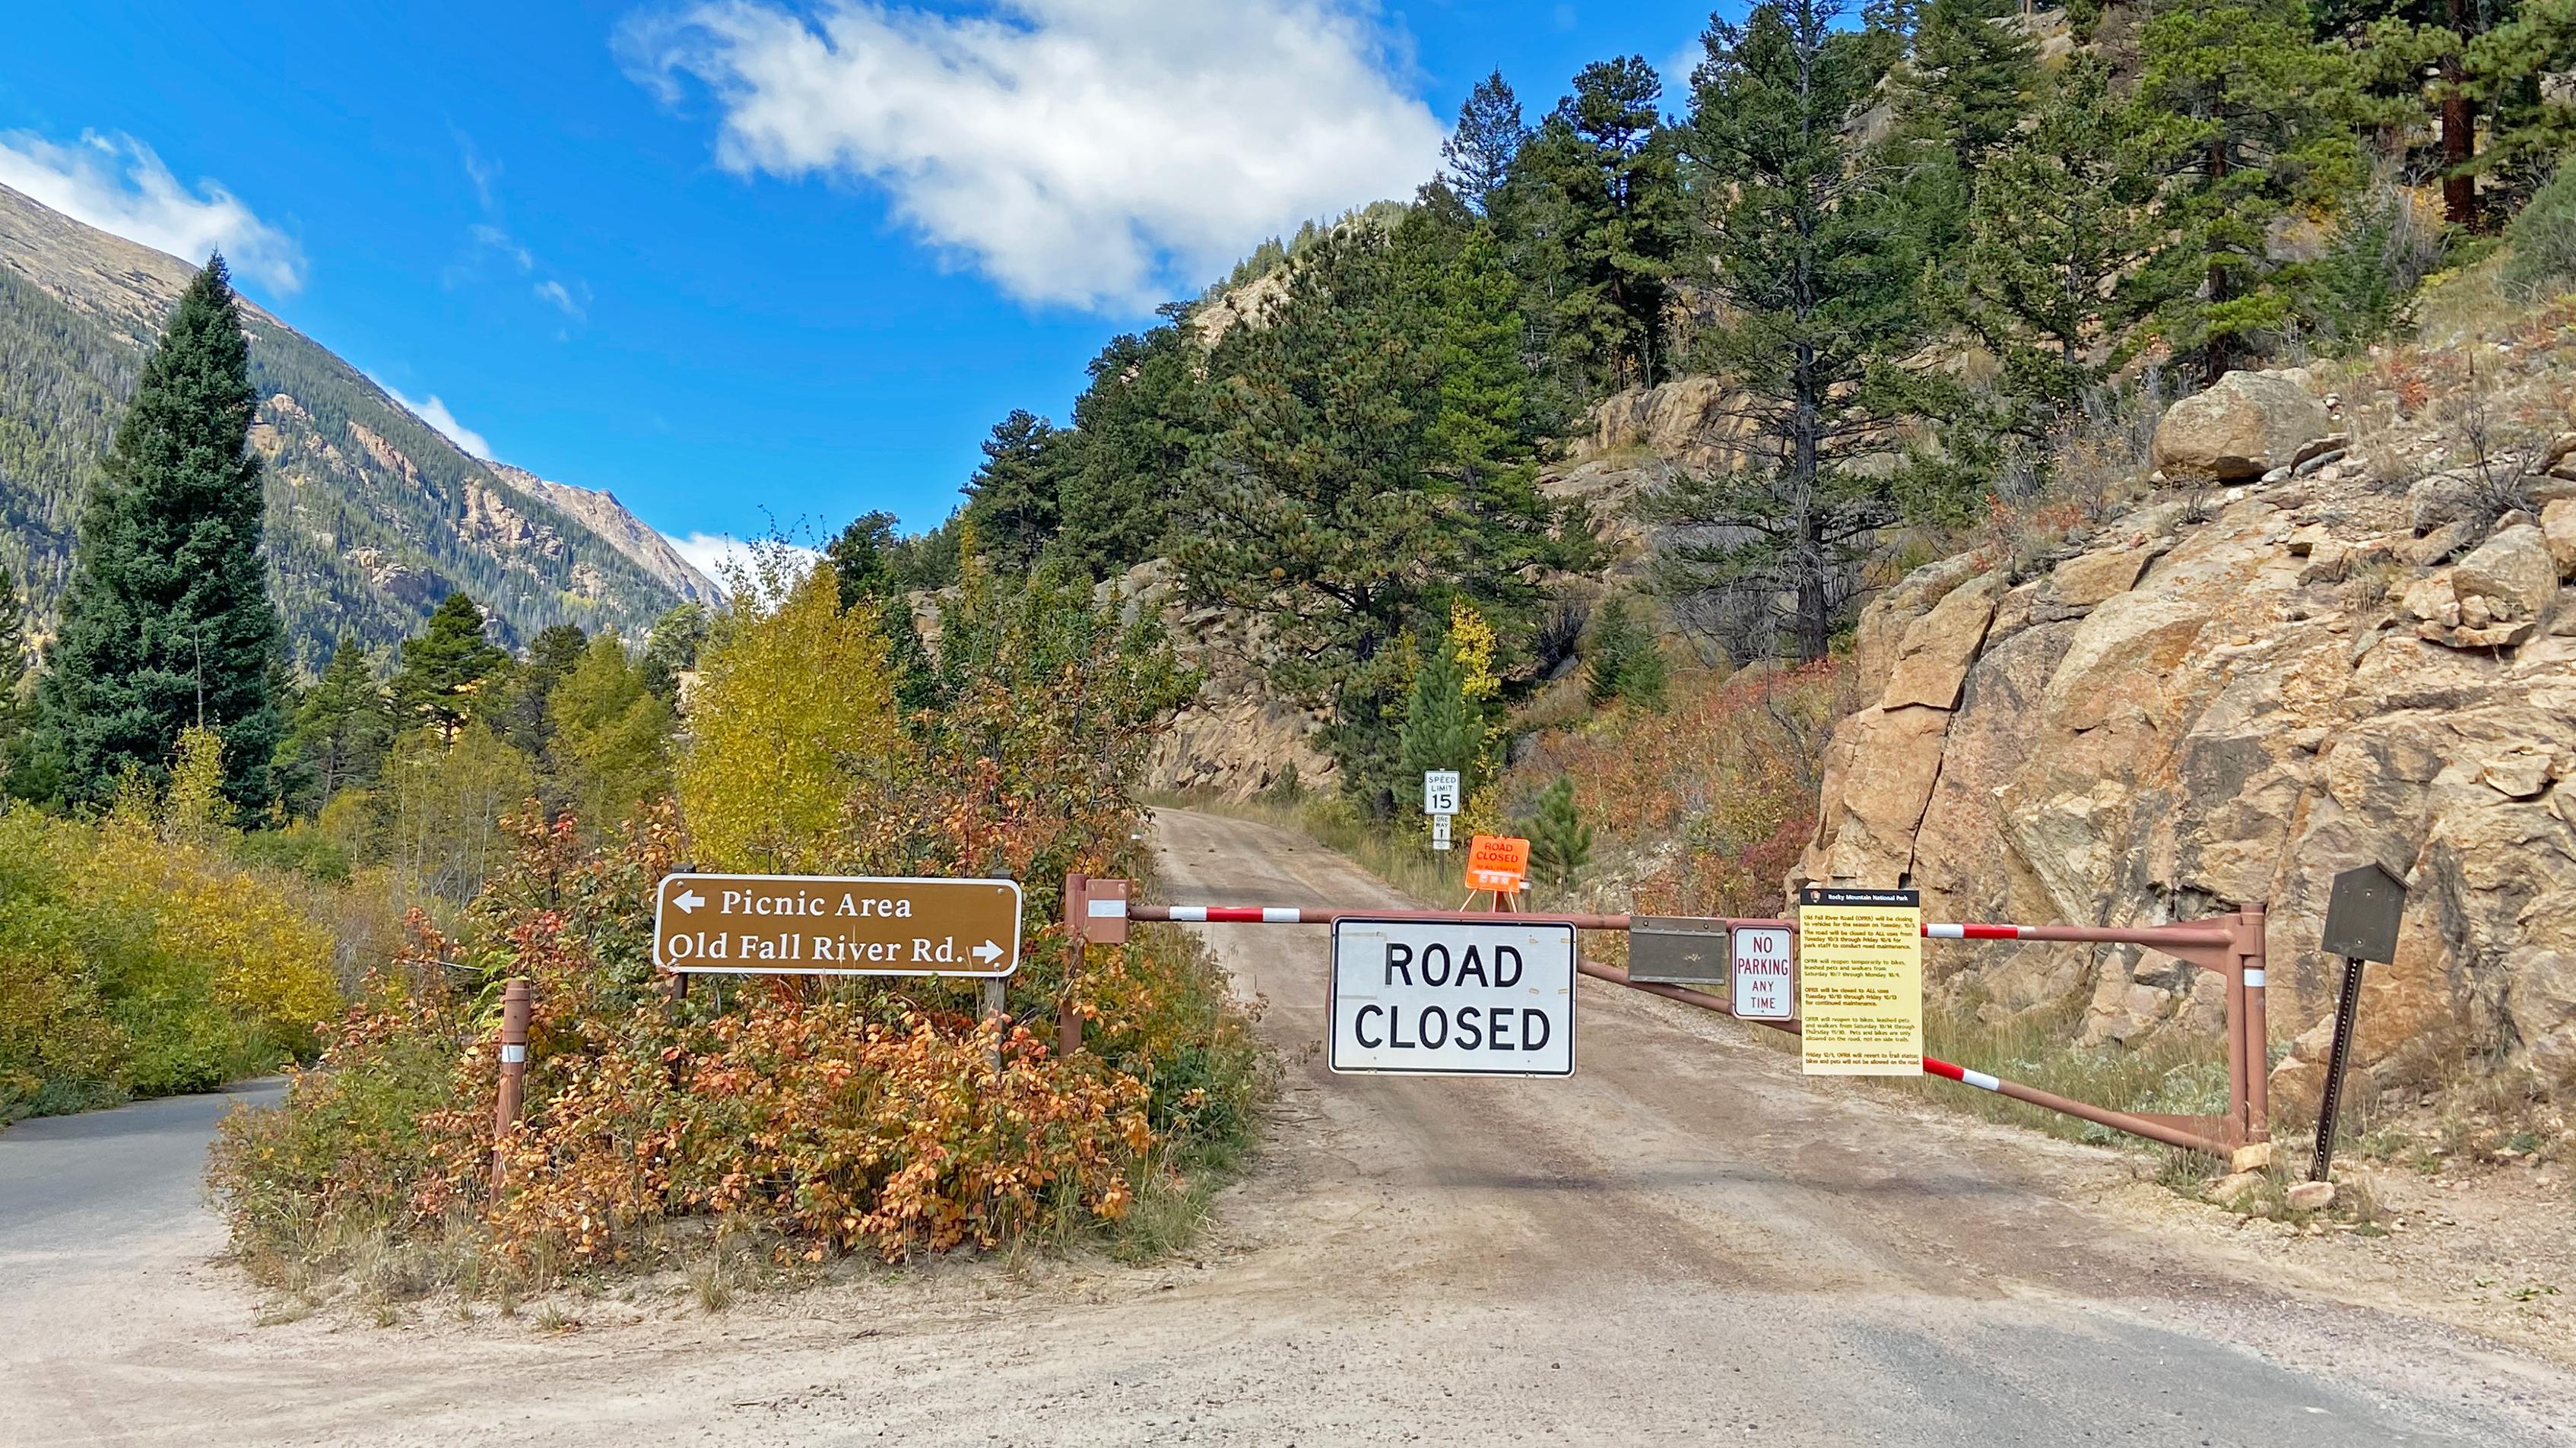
{"x": 1623, "y": 661}
{"x": 2543, "y": 239}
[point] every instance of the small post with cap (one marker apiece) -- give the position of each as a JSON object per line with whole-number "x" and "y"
{"x": 514, "y": 1073}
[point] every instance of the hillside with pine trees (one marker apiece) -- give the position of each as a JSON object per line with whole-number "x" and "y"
{"x": 372, "y": 516}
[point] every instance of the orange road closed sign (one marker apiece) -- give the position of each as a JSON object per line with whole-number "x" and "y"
{"x": 1497, "y": 862}
{"x": 836, "y": 925}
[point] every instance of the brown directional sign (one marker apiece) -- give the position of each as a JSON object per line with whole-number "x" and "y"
{"x": 836, "y": 925}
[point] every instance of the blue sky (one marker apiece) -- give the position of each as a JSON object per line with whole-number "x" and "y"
{"x": 752, "y": 260}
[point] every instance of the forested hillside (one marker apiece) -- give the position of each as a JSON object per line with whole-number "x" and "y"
{"x": 373, "y": 517}
{"x": 1927, "y": 252}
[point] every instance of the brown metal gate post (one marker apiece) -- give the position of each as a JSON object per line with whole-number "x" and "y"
{"x": 514, "y": 1072}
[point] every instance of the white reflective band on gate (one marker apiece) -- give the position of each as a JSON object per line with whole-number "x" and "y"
{"x": 1274, "y": 915}
{"x": 2254, "y": 977}
{"x": 511, "y": 1055}
{"x": 1190, "y": 912}
{"x": 1945, "y": 932}
{"x": 1980, "y": 1079}
{"x": 1108, "y": 909}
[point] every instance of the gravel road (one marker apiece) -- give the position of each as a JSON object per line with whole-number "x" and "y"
{"x": 1684, "y": 1243}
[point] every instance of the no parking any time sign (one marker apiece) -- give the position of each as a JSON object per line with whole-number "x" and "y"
{"x": 1446, "y": 998}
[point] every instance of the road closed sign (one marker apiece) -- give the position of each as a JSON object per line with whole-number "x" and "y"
{"x": 1497, "y": 862}
{"x": 1443, "y": 998}
{"x": 836, "y": 925}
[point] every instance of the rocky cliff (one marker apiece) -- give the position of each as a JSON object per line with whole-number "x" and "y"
{"x": 600, "y": 512}
{"x": 2329, "y": 630}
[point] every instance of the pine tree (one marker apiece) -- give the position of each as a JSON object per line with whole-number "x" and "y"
{"x": 1968, "y": 81}
{"x": 519, "y": 692}
{"x": 1597, "y": 200}
{"x": 443, "y": 670}
{"x": 671, "y": 649}
{"x": 1816, "y": 267}
{"x": 1624, "y": 662}
{"x": 1015, "y": 500}
{"x": 168, "y": 622}
{"x": 1479, "y": 153}
{"x": 2510, "y": 70}
{"x": 863, "y": 559}
{"x": 13, "y": 664}
{"x": 1443, "y": 728}
{"x": 2060, "y": 219}
{"x": 342, "y": 728}
{"x": 2245, "y": 114}
{"x": 1560, "y": 842}
{"x": 1138, "y": 422}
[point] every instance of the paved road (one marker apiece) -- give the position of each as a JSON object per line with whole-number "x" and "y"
{"x": 81, "y": 1192}
{"x": 1684, "y": 1243}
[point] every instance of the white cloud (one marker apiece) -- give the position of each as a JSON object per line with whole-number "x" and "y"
{"x": 435, "y": 413}
{"x": 117, "y": 184}
{"x": 724, "y": 558}
{"x": 561, "y": 296}
{"x": 1093, "y": 152}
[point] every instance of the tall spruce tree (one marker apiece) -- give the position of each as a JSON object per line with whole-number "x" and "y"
{"x": 1477, "y": 158}
{"x": 168, "y": 621}
{"x": 1138, "y": 422}
{"x": 1015, "y": 500}
{"x": 863, "y": 560}
{"x": 444, "y": 671}
{"x": 1816, "y": 267}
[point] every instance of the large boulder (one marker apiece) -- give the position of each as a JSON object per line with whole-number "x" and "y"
{"x": 2512, "y": 572}
{"x": 2247, "y": 425}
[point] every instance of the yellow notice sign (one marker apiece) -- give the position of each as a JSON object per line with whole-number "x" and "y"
{"x": 1860, "y": 982}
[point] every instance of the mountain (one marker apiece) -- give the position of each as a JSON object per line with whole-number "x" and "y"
{"x": 373, "y": 516}
{"x": 600, "y": 511}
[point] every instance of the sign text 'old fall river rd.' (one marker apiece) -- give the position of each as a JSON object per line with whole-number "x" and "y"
{"x": 836, "y": 925}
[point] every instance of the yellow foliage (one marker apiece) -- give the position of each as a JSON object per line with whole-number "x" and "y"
{"x": 792, "y": 705}
{"x": 1471, "y": 642}
{"x": 266, "y": 959}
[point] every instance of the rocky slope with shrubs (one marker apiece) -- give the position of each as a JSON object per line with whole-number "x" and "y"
{"x": 2323, "y": 625}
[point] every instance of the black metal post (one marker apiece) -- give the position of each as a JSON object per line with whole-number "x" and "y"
{"x": 2327, "y": 1109}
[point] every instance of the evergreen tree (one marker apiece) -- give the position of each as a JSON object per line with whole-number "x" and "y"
{"x": 1478, "y": 156}
{"x": 1015, "y": 499}
{"x": 2060, "y": 219}
{"x": 2512, "y": 70}
{"x": 520, "y": 691}
{"x": 671, "y": 649}
{"x": 1443, "y": 728}
{"x": 441, "y": 678}
{"x": 1815, "y": 267}
{"x": 1624, "y": 662}
{"x": 1598, "y": 199}
{"x": 13, "y": 665}
{"x": 342, "y": 728}
{"x": 1138, "y": 422}
{"x": 864, "y": 560}
{"x": 1560, "y": 842}
{"x": 1969, "y": 80}
{"x": 2245, "y": 115}
{"x": 168, "y": 621}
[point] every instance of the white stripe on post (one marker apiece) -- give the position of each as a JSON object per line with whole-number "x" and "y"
{"x": 1946, "y": 932}
{"x": 1108, "y": 909}
{"x": 1980, "y": 1080}
{"x": 1196, "y": 913}
{"x": 512, "y": 1055}
{"x": 2254, "y": 978}
{"x": 1274, "y": 915}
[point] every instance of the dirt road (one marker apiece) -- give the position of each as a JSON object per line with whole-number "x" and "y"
{"x": 1686, "y": 1242}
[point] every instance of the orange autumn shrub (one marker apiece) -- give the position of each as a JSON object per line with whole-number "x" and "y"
{"x": 1729, "y": 770}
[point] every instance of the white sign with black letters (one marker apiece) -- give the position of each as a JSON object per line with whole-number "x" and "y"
{"x": 1765, "y": 963}
{"x": 1449, "y": 998}
{"x": 1439, "y": 791}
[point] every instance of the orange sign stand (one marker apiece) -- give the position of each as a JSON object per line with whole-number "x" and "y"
{"x": 1498, "y": 863}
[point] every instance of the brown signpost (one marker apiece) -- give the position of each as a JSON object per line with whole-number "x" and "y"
{"x": 836, "y": 925}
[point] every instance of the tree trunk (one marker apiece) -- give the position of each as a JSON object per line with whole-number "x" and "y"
{"x": 2459, "y": 132}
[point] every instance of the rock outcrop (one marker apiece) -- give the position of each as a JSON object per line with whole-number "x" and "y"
{"x": 1240, "y": 734}
{"x": 2227, "y": 700}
